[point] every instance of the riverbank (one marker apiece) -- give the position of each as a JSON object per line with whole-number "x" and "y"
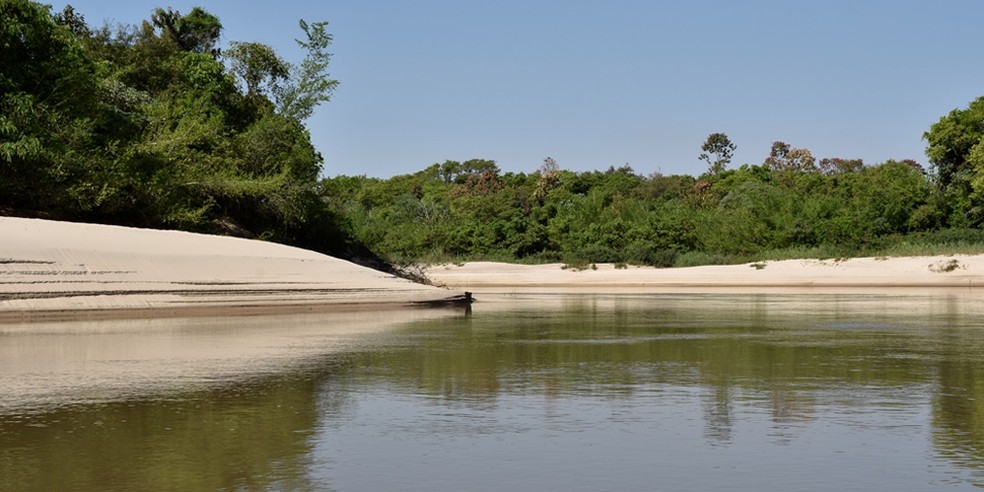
{"x": 51, "y": 269}
{"x": 834, "y": 275}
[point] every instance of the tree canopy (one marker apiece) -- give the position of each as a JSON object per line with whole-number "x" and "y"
{"x": 717, "y": 152}
{"x": 155, "y": 126}
{"x": 620, "y": 216}
{"x": 956, "y": 150}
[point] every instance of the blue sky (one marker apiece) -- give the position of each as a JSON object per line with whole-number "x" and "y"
{"x": 595, "y": 84}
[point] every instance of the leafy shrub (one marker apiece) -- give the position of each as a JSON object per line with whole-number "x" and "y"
{"x": 699, "y": 258}
{"x": 596, "y": 253}
{"x": 649, "y": 254}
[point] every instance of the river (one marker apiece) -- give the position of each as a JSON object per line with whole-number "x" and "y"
{"x": 526, "y": 392}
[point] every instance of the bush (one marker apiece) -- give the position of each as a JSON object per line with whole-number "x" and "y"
{"x": 648, "y": 254}
{"x": 700, "y": 258}
{"x": 596, "y": 253}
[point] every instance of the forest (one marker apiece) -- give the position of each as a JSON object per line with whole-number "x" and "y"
{"x": 157, "y": 126}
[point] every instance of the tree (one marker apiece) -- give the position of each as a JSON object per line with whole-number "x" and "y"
{"x": 448, "y": 170}
{"x": 475, "y": 168}
{"x": 197, "y": 32}
{"x": 782, "y": 157}
{"x": 956, "y": 150}
{"x": 257, "y": 65}
{"x": 548, "y": 167}
{"x": 310, "y": 86}
{"x": 549, "y": 178}
{"x": 73, "y": 21}
{"x": 976, "y": 158}
{"x": 950, "y": 141}
{"x": 48, "y": 89}
{"x": 718, "y": 146}
{"x": 836, "y": 165}
{"x": 145, "y": 125}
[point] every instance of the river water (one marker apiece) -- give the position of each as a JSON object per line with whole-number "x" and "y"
{"x": 527, "y": 392}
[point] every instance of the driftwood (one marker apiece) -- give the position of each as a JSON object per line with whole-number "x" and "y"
{"x": 463, "y": 300}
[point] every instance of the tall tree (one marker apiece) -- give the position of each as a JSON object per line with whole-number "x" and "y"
{"x": 548, "y": 167}
{"x": 309, "y": 86}
{"x": 956, "y": 151}
{"x": 717, "y": 152}
{"x": 951, "y": 140}
{"x": 782, "y": 157}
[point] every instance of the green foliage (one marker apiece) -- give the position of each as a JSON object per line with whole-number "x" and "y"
{"x": 717, "y": 152}
{"x": 196, "y": 32}
{"x": 782, "y": 157}
{"x": 647, "y": 253}
{"x": 617, "y": 216}
{"x": 956, "y": 150}
{"x": 308, "y": 86}
{"x": 837, "y": 165}
{"x": 951, "y": 140}
{"x": 975, "y": 160}
{"x": 147, "y": 126}
{"x": 258, "y": 65}
{"x": 48, "y": 107}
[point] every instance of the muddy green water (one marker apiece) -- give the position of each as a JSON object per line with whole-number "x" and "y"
{"x": 600, "y": 392}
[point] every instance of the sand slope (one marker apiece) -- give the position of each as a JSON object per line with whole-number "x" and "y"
{"x": 50, "y": 267}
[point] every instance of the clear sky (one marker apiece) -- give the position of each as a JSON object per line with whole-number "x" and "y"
{"x": 600, "y": 83}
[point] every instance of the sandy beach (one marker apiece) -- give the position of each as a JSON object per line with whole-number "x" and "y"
{"x": 51, "y": 269}
{"x": 869, "y": 274}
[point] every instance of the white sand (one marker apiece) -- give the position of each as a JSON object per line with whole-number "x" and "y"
{"x": 873, "y": 274}
{"x": 49, "y": 267}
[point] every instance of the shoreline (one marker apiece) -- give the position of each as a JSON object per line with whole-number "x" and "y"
{"x": 67, "y": 271}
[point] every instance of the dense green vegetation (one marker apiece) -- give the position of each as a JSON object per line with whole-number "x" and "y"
{"x": 756, "y": 211}
{"x": 790, "y": 206}
{"x": 157, "y": 126}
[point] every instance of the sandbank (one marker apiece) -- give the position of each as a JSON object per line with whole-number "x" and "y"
{"x": 840, "y": 275}
{"x": 51, "y": 269}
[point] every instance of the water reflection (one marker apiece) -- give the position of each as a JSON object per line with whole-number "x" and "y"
{"x": 173, "y": 404}
{"x": 958, "y": 406}
{"x": 617, "y": 392}
{"x": 50, "y": 364}
{"x": 804, "y": 367}
{"x": 248, "y": 437}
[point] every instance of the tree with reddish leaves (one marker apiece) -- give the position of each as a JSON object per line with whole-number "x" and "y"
{"x": 782, "y": 157}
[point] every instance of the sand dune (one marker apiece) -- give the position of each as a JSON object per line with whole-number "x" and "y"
{"x": 49, "y": 268}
